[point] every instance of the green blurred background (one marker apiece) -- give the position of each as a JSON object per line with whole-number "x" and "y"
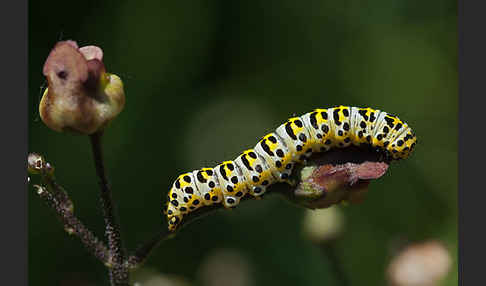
{"x": 206, "y": 79}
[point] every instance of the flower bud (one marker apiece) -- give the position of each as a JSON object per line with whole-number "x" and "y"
{"x": 81, "y": 96}
{"x": 421, "y": 264}
{"x": 36, "y": 164}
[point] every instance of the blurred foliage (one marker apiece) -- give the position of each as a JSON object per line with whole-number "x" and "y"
{"x": 206, "y": 79}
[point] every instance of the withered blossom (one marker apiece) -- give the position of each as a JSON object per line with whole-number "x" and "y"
{"x": 81, "y": 96}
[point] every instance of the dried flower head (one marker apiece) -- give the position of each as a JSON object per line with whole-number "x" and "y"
{"x": 36, "y": 164}
{"x": 341, "y": 176}
{"x": 81, "y": 96}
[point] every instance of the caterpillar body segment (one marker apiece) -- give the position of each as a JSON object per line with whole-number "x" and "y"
{"x": 232, "y": 182}
{"x": 208, "y": 186}
{"x": 183, "y": 198}
{"x": 340, "y": 125}
{"x": 318, "y": 124}
{"x": 380, "y": 130}
{"x": 275, "y": 152}
{"x": 257, "y": 173}
{"x": 275, "y": 155}
{"x": 296, "y": 137}
{"x": 362, "y": 125}
{"x": 404, "y": 144}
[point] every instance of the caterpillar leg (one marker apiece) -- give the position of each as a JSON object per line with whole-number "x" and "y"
{"x": 291, "y": 182}
{"x": 258, "y": 191}
{"x": 230, "y": 201}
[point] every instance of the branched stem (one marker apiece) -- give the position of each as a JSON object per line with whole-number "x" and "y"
{"x": 329, "y": 179}
{"x": 59, "y": 193}
{"x": 118, "y": 272}
{"x": 74, "y": 226}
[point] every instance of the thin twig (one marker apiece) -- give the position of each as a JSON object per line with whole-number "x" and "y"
{"x": 329, "y": 250}
{"x": 143, "y": 251}
{"x": 118, "y": 273}
{"x": 58, "y": 192}
{"x": 74, "y": 226}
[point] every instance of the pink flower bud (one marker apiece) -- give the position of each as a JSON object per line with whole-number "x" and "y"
{"x": 81, "y": 96}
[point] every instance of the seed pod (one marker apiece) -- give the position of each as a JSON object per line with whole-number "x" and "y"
{"x": 81, "y": 96}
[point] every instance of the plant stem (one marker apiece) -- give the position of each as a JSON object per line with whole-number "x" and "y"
{"x": 119, "y": 275}
{"x": 329, "y": 250}
{"x": 59, "y": 193}
{"x": 143, "y": 251}
{"x": 74, "y": 226}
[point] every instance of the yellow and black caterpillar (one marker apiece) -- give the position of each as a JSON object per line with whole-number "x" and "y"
{"x": 274, "y": 156}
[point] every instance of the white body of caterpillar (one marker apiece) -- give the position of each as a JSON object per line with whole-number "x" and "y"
{"x": 274, "y": 156}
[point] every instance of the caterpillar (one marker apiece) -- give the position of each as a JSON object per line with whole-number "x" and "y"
{"x": 274, "y": 156}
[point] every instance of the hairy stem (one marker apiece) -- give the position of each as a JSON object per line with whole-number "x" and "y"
{"x": 74, "y": 226}
{"x": 119, "y": 275}
{"x": 59, "y": 193}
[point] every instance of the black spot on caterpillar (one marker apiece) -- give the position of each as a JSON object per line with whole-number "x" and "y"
{"x": 275, "y": 155}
